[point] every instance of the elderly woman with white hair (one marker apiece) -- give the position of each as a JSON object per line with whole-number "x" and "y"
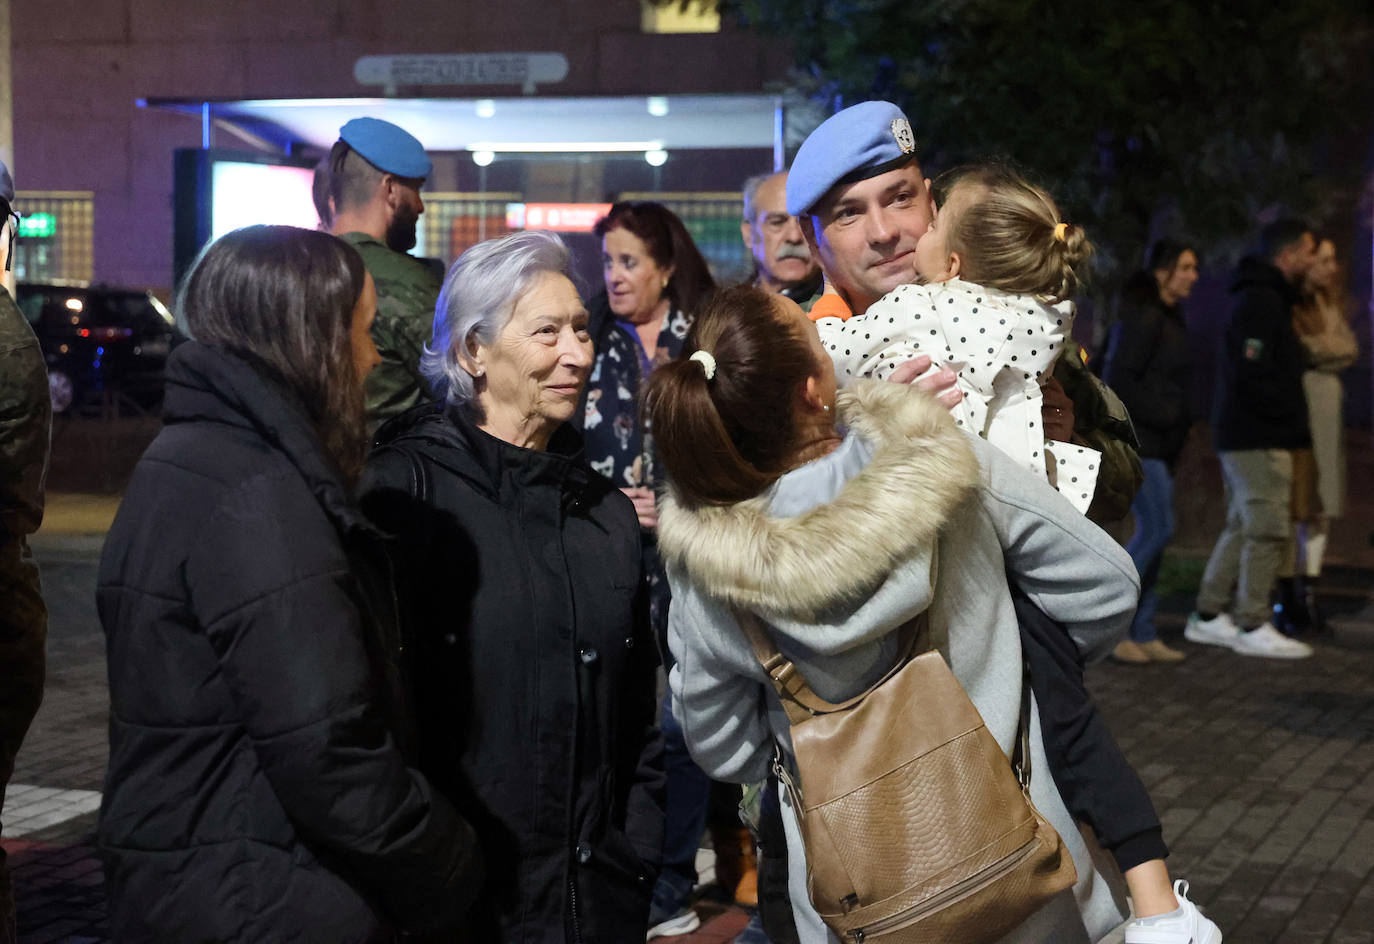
{"x": 531, "y": 657}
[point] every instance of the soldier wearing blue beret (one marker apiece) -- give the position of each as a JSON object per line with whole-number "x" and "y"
{"x": 856, "y": 186}
{"x": 24, "y": 429}
{"x": 375, "y": 171}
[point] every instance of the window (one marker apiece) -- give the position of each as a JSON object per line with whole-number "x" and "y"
{"x": 672, "y": 16}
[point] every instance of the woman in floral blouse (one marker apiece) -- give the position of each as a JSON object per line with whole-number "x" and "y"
{"x": 655, "y": 280}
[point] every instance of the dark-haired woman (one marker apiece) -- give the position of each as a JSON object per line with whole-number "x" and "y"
{"x": 836, "y": 520}
{"x": 1149, "y": 365}
{"x": 257, "y": 788}
{"x": 655, "y": 281}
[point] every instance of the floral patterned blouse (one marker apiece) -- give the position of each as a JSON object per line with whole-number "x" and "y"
{"x": 616, "y": 446}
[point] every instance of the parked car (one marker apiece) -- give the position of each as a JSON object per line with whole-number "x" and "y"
{"x": 98, "y": 339}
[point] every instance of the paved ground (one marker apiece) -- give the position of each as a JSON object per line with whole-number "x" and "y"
{"x": 1263, "y": 771}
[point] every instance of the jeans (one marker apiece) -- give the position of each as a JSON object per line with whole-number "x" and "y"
{"x": 1240, "y": 573}
{"x": 1154, "y": 526}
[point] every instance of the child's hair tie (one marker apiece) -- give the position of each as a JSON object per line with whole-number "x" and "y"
{"x": 1061, "y": 232}
{"x": 707, "y": 362}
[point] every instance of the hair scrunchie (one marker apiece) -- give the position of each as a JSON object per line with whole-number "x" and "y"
{"x": 1061, "y": 232}
{"x": 707, "y": 362}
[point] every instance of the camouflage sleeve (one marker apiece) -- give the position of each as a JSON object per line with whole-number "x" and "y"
{"x": 25, "y": 423}
{"x": 404, "y": 314}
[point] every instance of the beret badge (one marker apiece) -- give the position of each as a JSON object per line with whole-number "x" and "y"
{"x": 901, "y": 132}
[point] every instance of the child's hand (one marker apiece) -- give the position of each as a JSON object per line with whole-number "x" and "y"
{"x": 939, "y": 383}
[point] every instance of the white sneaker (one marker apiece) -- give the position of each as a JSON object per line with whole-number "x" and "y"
{"x": 1268, "y": 643}
{"x": 1186, "y": 925}
{"x": 1220, "y": 630}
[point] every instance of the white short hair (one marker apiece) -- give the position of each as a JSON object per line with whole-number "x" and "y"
{"x": 478, "y": 297}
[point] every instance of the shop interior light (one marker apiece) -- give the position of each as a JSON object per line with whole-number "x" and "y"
{"x": 658, "y": 105}
{"x": 656, "y": 157}
{"x": 485, "y": 108}
{"x": 563, "y": 147}
{"x": 483, "y": 158}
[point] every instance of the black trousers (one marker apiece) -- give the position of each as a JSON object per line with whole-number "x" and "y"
{"x": 1099, "y": 786}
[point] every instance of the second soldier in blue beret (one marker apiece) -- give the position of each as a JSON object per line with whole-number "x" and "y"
{"x": 375, "y": 172}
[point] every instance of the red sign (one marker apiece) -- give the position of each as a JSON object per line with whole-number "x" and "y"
{"x": 558, "y": 217}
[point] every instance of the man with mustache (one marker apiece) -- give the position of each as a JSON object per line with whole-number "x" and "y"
{"x": 375, "y": 173}
{"x": 782, "y": 261}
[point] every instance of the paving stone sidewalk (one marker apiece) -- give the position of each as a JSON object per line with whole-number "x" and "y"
{"x": 1263, "y": 772}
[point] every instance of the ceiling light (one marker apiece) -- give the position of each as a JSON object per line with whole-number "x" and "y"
{"x": 563, "y": 147}
{"x": 483, "y": 158}
{"x": 486, "y": 108}
{"x": 658, "y": 106}
{"x": 656, "y": 157}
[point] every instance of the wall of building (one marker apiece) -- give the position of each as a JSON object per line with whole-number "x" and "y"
{"x": 79, "y": 66}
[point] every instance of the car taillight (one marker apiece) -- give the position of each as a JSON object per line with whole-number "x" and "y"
{"x": 106, "y": 334}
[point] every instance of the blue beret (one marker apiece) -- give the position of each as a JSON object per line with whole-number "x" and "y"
{"x": 862, "y": 141}
{"x": 386, "y": 147}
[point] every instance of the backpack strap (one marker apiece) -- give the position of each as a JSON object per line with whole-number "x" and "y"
{"x": 798, "y": 700}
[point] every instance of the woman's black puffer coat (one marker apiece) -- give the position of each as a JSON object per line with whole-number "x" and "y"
{"x": 535, "y": 670}
{"x": 255, "y": 791}
{"x": 1149, "y": 364}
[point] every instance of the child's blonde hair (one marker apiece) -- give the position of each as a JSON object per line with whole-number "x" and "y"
{"x": 1010, "y": 237}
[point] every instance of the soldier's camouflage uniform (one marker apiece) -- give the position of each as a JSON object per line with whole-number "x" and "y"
{"x": 407, "y": 289}
{"x": 25, "y": 421}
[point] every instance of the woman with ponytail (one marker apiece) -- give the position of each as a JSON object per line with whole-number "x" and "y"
{"x": 835, "y": 519}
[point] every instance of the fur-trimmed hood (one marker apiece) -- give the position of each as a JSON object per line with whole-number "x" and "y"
{"x": 834, "y": 556}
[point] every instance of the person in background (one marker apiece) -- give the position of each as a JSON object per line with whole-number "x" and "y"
{"x": 521, "y": 577}
{"x": 1322, "y": 322}
{"x": 1149, "y": 365}
{"x": 1260, "y": 418}
{"x": 320, "y": 194}
{"x": 25, "y": 426}
{"x": 655, "y": 280}
{"x": 782, "y": 260}
{"x": 375, "y": 173}
{"x": 258, "y": 786}
{"x": 782, "y": 265}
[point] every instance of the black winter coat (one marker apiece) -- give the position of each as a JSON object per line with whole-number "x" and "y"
{"x": 1260, "y": 402}
{"x": 535, "y": 674}
{"x": 1149, "y": 364}
{"x": 255, "y": 792}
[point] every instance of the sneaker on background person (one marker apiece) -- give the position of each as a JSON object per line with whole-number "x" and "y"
{"x": 1130, "y": 652}
{"x": 1219, "y": 630}
{"x": 1160, "y": 651}
{"x": 1268, "y": 643}
{"x": 670, "y": 913}
{"x": 1184, "y": 925}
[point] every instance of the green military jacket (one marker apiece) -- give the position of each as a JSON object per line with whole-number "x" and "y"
{"x": 25, "y": 424}
{"x": 407, "y": 289}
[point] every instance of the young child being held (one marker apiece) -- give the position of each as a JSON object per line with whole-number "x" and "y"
{"x": 998, "y": 267}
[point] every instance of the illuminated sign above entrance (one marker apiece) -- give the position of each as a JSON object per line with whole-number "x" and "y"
{"x": 38, "y": 226}
{"x": 525, "y": 69}
{"x": 556, "y": 217}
